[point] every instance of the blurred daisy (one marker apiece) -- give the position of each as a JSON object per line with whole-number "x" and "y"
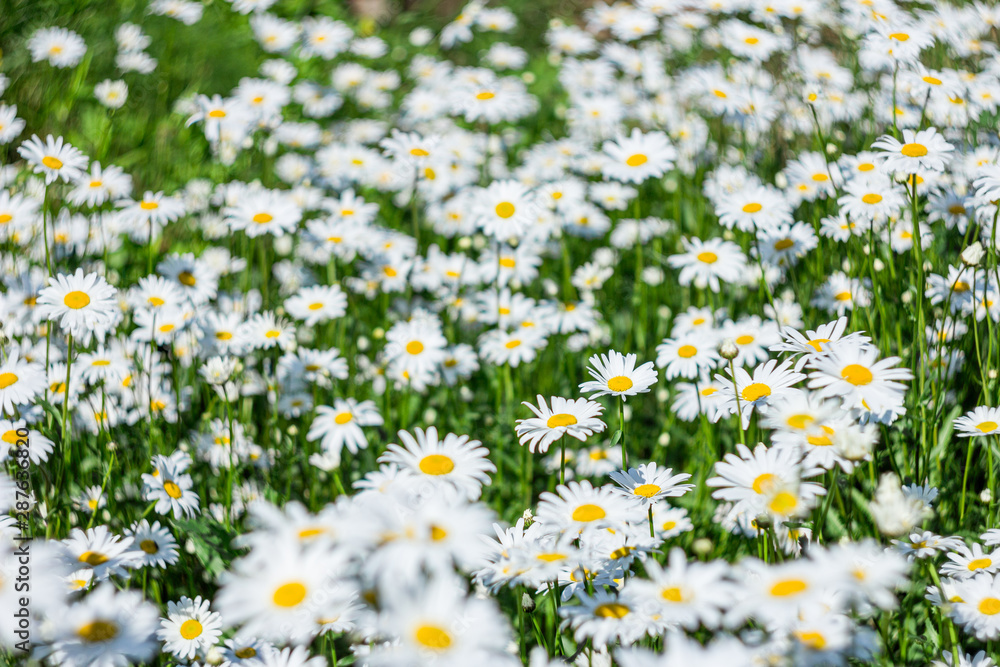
{"x": 637, "y": 157}
{"x": 57, "y": 46}
{"x": 53, "y": 158}
{"x": 921, "y": 151}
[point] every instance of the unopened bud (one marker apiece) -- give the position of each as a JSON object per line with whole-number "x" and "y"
{"x": 527, "y": 603}
{"x": 728, "y": 349}
{"x": 972, "y": 255}
{"x": 702, "y": 546}
{"x": 986, "y": 496}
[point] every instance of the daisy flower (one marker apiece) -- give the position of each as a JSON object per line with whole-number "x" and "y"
{"x": 456, "y": 462}
{"x": 20, "y": 382}
{"x": 105, "y": 553}
{"x": 106, "y": 627}
{"x": 760, "y": 206}
{"x": 981, "y": 421}
{"x": 977, "y": 607}
{"x": 966, "y": 562}
{"x": 925, "y": 545}
{"x": 37, "y": 445}
{"x": 925, "y": 150}
{"x": 749, "y": 478}
{"x": 189, "y": 628}
{"x": 59, "y": 47}
{"x": 683, "y": 593}
{"x": 156, "y": 546}
{"x": 511, "y": 347}
{"x": 687, "y": 357}
{"x": 606, "y": 618}
{"x": 856, "y": 375}
{"x": 171, "y": 492}
{"x": 416, "y": 347}
{"x": 263, "y": 212}
{"x": 647, "y": 484}
{"x": 266, "y": 330}
{"x": 278, "y": 590}
{"x": 53, "y": 158}
{"x": 316, "y": 304}
{"x": 340, "y": 426}
{"x": 768, "y": 383}
{"x": 813, "y": 342}
{"x": 706, "y": 263}
{"x": 579, "y": 418}
{"x": 616, "y": 375}
{"x": 505, "y": 210}
{"x": 638, "y": 157}
{"x": 578, "y": 506}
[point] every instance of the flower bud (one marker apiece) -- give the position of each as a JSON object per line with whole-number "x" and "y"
{"x": 728, "y": 349}
{"x": 972, "y": 255}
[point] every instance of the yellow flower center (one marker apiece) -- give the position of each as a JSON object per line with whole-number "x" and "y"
{"x": 636, "y": 160}
{"x": 414, "y": 347}
{"x": 752, "y": 207}
{"x": 561, "y": 419}
{"x": 223, "y": 335}
{"x": 149, "y": 546}
{"x": 788, "y": 587}
{"x": 273, "y": 333}
{"x": 989, "y": 606}
{"x": 436, "y": 464}
{"x": 511, "y": 344}
{"x": 763, "y": 483}
{"x": 588, "y": 512}
{"x": 418, "y": 152}
{"x": 800, "y": 421}
{"x": 980, "y": 563}
{"x": 186, "y": 278}
{"x": 343, "y": 418}
{"x": 263, "y": 218}
{"x": 913, "y": 150}
{"x": 856, "y": 374}
{"x": 172, "y": 490}
{"x": 745, "y": 339}
{"x": 246, "y": 652}
{"x": 619, "y": 383}
{"x": 871, "y": 198}
{"x": 191, "y": 629}
{"x": 76, "y": 300}
{"x": 148, "y": 205}
{"x": 289, "y": 595}
{"x": 783, "y": 503}
{"x": 986, "y": 427}
{"x": 611, "y": 610}
{"x": 485, "y": 95}
{"x": 755, "y": 391}
{"x": 646, "y": 490}
{"x": 7, "y": 379}
{"x": 52, "y": 162}
{"x": 687, "y": 351}
{"x": 813, "y": 640}
{"x": 431, "y": 636}
{"x": 98, "y": 631}
{"x": 708, "y": 257}
{"x": 93, "y": 558}
{"x": 505, "y": 209}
